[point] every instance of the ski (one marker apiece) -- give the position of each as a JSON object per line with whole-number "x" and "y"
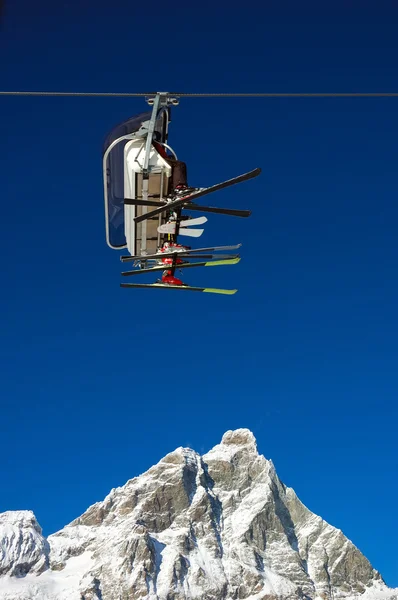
{"x": 184, "y": 231}
{"x": 173, "y": 205}
{"x": 159, "y": 257}
{"x": 202, "y": 256}
{"x": 189, "y": 251}
{"x": 221, "y": 211}
{"x": 211, "y": 209}
{"x": 188, "y": 288}
{"x": 214, "y": 263}
{"x": 141, "y": 202}
{"x": 171, "y": 227}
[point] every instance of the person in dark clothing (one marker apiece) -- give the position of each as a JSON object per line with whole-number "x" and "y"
{"x": 179, "y": 177}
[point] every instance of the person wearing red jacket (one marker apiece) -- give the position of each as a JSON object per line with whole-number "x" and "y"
{"x": 167, "y": 276}
{"x": 179, "y": 184}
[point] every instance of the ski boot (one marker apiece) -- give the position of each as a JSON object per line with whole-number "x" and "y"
{"x": 169, "y": 279}
{"x": 173, "y": 247}
{"x": 184, "y": 190}
{"x": 169, "y": 261}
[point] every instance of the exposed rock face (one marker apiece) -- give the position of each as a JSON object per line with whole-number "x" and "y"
{"x": 217, "y": 527}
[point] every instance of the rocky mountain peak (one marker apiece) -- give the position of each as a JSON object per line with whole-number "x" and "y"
{"x": 238, "y": 441}
{"x": 221, "y": 526}
{"x": 23, "y": 549}
{"x": 239, "y": 437}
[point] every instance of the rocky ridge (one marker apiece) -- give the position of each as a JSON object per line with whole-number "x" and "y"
{"x": 221, "y": 526}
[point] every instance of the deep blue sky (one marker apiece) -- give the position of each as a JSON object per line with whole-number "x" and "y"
{"x": 305, "y": 354}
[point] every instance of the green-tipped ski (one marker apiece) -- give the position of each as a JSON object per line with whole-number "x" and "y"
{"x": 212, "y": 263}
{"x": 187, "y": 288}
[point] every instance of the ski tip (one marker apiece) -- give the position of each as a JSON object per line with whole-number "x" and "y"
{"x": 218, "y": 291}
{"x": 226, "y": 261}
{"x": 254, "y": 173}
{"x": 179, "y": 287}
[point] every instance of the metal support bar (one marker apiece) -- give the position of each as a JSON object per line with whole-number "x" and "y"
{"x": 151, "y": 129}
{"x": 130, "y": 136}
{"x": 161, "y": 99}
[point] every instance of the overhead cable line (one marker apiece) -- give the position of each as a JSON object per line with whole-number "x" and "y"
{"x": 210, "y": 95}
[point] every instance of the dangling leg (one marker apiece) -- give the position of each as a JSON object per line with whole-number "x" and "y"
{"x": 179, "y": 176}
{"x": 169, "y": 279}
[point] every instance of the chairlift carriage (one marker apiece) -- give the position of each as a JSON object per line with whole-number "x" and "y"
{"x": 145, "y": 213}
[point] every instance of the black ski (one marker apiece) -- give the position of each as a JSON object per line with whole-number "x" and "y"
{"x": 221, "y": 211}
{"x": 210, "y": 209}
{"x": 140, "y": 202}
{"x": 214, "y": 263}
{"x": 129, "y": 258}
{"x": 159, "y": 257}
{"x": 187, "y": 199}
{"x": 187, "y": 288}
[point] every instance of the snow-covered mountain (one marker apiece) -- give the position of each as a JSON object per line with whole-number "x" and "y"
{"x": 218, "y": 527}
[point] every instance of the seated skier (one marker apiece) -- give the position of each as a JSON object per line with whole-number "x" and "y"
{"x": 180, "y": 188}
{"x": 167, "y": 276}
{"x": 172, "y": 247}
{"x": 179, "y": 178}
